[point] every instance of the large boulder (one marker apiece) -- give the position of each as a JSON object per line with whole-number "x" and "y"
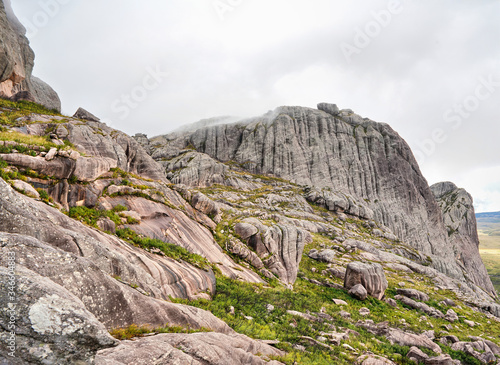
{"x": 207, "y": 206}
{"x": 44, "y": 94}
{"x": 280, "y": 246}
{"x": 85, "y": 115}
{"x": 370, "y": 275}
{"x": 358, "y": 291}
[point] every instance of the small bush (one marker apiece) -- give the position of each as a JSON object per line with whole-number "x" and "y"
{"x": 90, "y": 216}
{"x": 43, "y": 194}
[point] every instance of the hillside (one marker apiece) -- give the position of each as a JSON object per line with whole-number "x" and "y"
{"x": 303, "y": 236}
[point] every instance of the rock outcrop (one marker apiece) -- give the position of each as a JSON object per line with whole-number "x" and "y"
{"x": 280, "y": 247}
{"x": 17, "y": 61}
{"x": 460, "y": 221}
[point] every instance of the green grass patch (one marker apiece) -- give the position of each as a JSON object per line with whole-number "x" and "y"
{"x": 133, "y": 330}
{"x": 90, "y": 216}
{"x": 169, "y": 249}
{"x": 28, "y": 106}
{"x": 26, "y": 139}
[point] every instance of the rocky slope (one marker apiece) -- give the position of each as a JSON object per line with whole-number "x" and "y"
{"x": 98, "y": 227}
{"x": 301, "y": 237}
{"x": 354, "y": 165}
{"x": 17, "y": 61}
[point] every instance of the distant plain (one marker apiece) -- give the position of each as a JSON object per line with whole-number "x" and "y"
{"x": 488, "y": 227}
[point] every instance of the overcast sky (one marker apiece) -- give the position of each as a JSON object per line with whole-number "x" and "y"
{"x": 428, "y": 68}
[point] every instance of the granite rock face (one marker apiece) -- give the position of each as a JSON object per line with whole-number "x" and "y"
{"x": 52, "y": 325}
{"x": 349, "y": 163}
{"x": 460, "y": 221}
{"x": 17, "y": 61}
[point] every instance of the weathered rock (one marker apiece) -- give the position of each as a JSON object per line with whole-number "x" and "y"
{"x": 190, "y": 349}
{"x": 195, "y": 169}
{"x": 417, "y": 354}
{"x": 431, "y": 334}
{"x": 402, "y": 338}
{"x": 157, "y": 275}
{"x": 469, "y": 323}
{"x": 245, "y": 230}
{"x": 338, "y": 272}
{"x": 280, "y": 247}
{"x": 60, "y": 168}
{"x": 339, "y": 301}
{"x": 439, "y": 360}
{"x": 90, "y": 168}
{"x": 131, "y": 214}
{"x": 23, "y": 96}
{"x": 345, "y": 314}
{"x": 391, "y": 302}
{"x": 364, "y": 311}
{"x": 331, "y": 109}
{"x": 460, "y": 221}
{"x": 395, "y": 335}
{"x": 44, "y": 94}
{"x": 241, "y": 250}
{"x": 371, "y": 359}
{"x": 450, "y": 339}
{"x": 100, "y": 141}
{"x": 359, "y": 292}
{"x": 414, "y": 294}
{"x": 207, "y": 206}
{"x": 106, "y": 225}
{"x": 451, "y": 316}
{"x": 51, "y": 325}
{"x": 51, "y": 154}
{"x": 17, "y": 61}
{"x": 420, "y": 306}
{"x": 85, "y": 115}
{"x": 370, "y": 275}
{"x": 178, "y": 227}
{"x": 25, "y": 188}
{"x": 323, "y": 255}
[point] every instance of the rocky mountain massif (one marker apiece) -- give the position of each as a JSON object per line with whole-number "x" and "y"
{"x": 305, "y": 236}
{"x": 352, "y": 165}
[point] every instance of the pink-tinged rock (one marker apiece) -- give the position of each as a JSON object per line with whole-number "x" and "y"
{"x": 190, "y": 349}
